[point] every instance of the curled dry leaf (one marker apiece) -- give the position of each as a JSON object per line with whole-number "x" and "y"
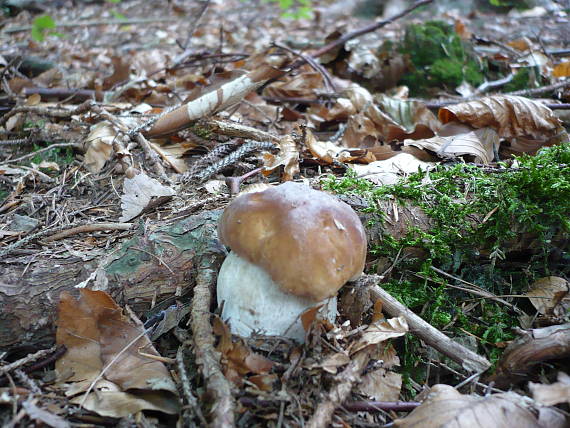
{"x": 478, "y": 143}
{"x": 328, "y": 152}
{"x": 390, "y": 171}
{"x": 395, "y": 120}
{"x": 99, "y": 337}
{"x": 288, "y": 156}
{"x": 414, "y": 119}
{"x": 381, "y": 331}
{"x": 549, "y": 295}
{"x": 512, "y": 117}
{"x": 138, "y": 193}
{"x": 340, "y": 111}
{"x": 239, "y": 360}
{"x": 550, "y": 395}
{"x": 303, "y": 85}
{"x": 99, "y": 144}
{"x": 446, "y": 407}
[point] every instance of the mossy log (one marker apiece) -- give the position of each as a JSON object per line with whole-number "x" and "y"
{"x": 151, "y": 267}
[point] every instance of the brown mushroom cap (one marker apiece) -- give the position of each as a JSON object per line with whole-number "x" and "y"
{"x": 308, "y": 242}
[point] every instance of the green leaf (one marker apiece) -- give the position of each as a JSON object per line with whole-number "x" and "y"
{"x": 44, "y": 22}
{"x": 37, "y": 34}
{"x": 285, "y": 4}
{"x": 40, "y": 26}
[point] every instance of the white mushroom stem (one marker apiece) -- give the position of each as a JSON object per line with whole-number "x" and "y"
{"x": 254, "y": 303}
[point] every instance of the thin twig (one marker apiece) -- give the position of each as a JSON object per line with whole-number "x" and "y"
{"x": 95, "y": 227}
{"x": 21, "y": 242}
{"x": 314, "y": 64}
{"x": 187, "y": 51}
{"x": 45, "y": 149}
{"x": 542, "y": 89}
{"x": 26, "y": 360}
{"x": 359, "y": 32}
{"x": 375, "y": 406}
{"x": 131, "y": 21}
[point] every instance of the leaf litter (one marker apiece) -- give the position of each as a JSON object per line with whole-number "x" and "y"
{"x": 142, "y": 123}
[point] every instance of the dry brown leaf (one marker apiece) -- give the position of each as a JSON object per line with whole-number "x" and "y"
{"x": 386, "y": 353}
{"x": 221, "y": 329}
{"x": 303, "y": 85}
{"x": 562, "y": 69}
{"x": 309, "y": 316}
{"x": 390, "y": 171}
{"x": 340, "y": 111}
{"x": 325, "y": 151}
{"x": 240, "y": 360}
{"x": 446, "y": 407}
{"x": 545, "y": 295}
{"x": 121, "y": 73}
{"x": 477, "y": 143}
{"x": 333, "y": 362}
{"x": 288, "y": 156}
{"x": 116, "y": 404}
{"x": 381, "y": 385}
{"x": 264, "y": 382}
{"x": 97, "y": 335}
{"x": 511, "y": 116}
{"x": 99, "y": 144}
{"x": 377, "y": 315}
{"x": 413, "y": 119}
{"x": 172, "y": 154}
{"x": 138, "y": 192}
{"x": 33, "y": 100}
{"x": 329, "y": 152}
{"x": 379, "y": 332}
{"x": 553, "y": 394}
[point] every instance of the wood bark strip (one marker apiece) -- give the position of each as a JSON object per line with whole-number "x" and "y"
{"x": 212, "y": 102}
{"x": 531, "y": 348}
{"x": 207, "y": 357}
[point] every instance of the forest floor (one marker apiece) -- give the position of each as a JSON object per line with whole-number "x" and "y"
{"x": 128, "y": 126}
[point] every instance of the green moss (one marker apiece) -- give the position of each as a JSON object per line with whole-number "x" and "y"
{"x": 439, "y": 57}
{"x": 527, "y": 77}
{"x": 63, "y": 156}
{"x": 530, "y": 200}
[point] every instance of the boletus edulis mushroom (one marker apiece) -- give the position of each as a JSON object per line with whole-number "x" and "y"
{"x": 292, "y": 248}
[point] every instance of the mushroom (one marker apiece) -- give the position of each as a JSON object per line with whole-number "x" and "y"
{"x": 292, "y": 248}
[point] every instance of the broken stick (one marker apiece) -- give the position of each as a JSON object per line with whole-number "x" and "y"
{"x": 469, "y": 360}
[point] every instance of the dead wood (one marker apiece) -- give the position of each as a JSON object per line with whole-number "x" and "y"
{"x": 532, "y": 347}
{"x": 207, "y": 357}
{"x": 152, "y": 266}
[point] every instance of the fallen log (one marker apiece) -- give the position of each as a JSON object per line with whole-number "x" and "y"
{"x": 155, "y": 266}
